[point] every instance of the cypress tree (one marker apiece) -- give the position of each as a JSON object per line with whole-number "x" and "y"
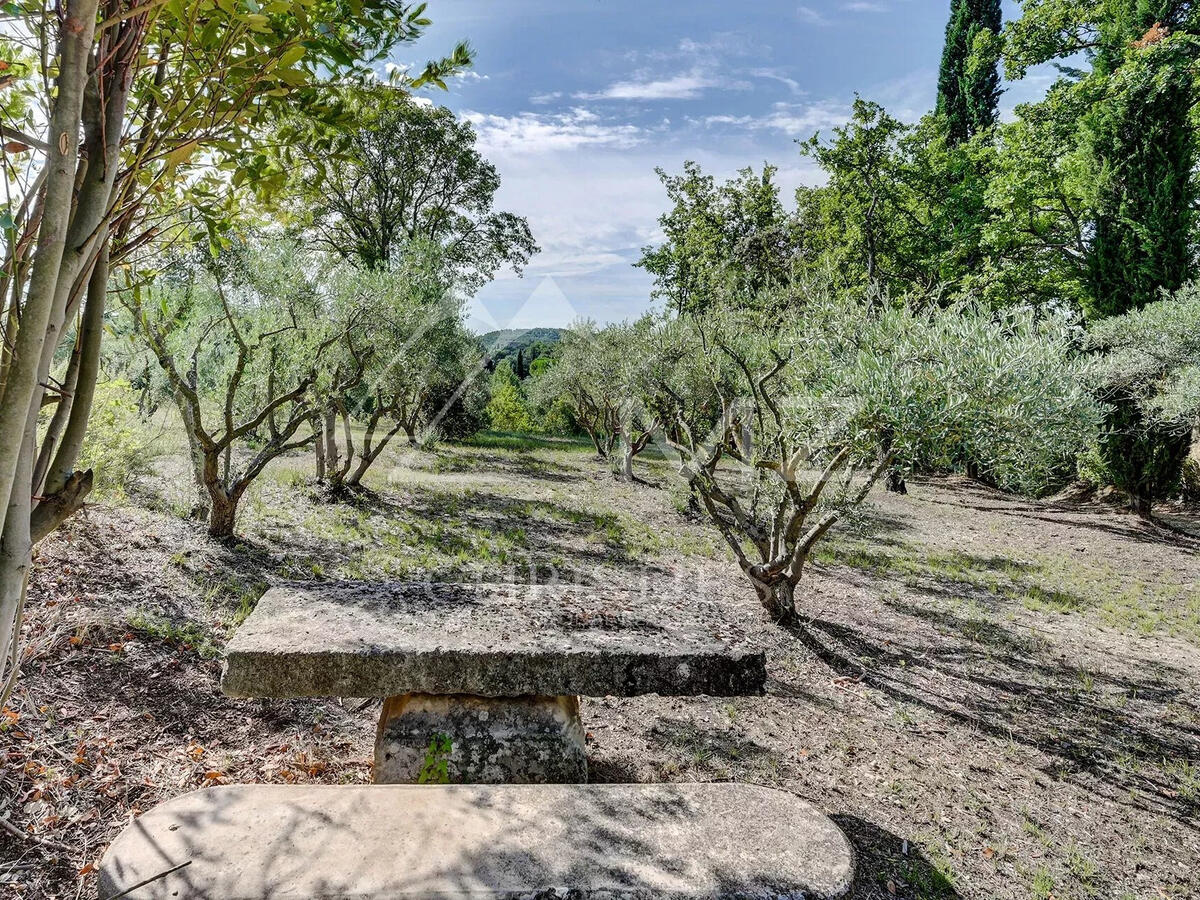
{"x": 969, "y": 77}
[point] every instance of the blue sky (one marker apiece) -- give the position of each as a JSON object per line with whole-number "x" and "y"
{"x": 577, "y": 102}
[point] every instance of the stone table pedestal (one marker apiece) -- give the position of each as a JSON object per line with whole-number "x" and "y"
{"x": 480, "y": 740}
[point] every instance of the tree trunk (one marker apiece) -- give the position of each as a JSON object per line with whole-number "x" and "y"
{"x": 411, "y": 432}
{"x": 318, "y": 447}
{"x": 331, "y": 447}
{"x": 591, "y": 432}
{"x": 22, "y": 388}
{"x": 15, "y": 549}
{"x": 222, "y": 511}
{"x": 779, "y": 600}
{"x": 895, "y": 482}
{"x": 626, "y": 457}
{"x": 319, "y": 453}
{"x": 91, "y": 334}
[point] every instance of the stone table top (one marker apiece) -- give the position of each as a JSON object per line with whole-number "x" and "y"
{"x": 378, "y": 640}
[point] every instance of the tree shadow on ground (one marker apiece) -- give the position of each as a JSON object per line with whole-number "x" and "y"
{"x": 687, "y": 750}
{"x": 1081, "y": 514}
{"x": 1101, "y": 730}
{"x": 547, "y": 528}
{"x": 520, "y": 464}
{"x": 884, "y": 859}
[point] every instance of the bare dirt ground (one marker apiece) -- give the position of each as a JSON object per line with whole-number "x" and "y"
{"x": 993, "y": 697}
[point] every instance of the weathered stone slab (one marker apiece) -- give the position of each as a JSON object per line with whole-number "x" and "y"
{"x": 381, "y": 640}
{"x": 616, "y": 842}
{"x": 493, "y": 740}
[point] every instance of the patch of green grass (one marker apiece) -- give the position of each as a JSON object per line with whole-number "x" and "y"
{"x": 186, "y": 635}
{"x": 1031, "y": 827}
{"x": 507, "y": 440}
{"x": 929, "y": 875}
{"x": 1057, "y": 584}
{"x": 1082, "y": 869}
{"x": 1042, "y": 887}
{"x": 1186, "y": 777}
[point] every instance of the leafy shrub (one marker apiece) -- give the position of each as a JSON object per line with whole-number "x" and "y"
{"x": 506, "y": 409}
{"x": 555, "y": 419}
{"x": 118, "y": 448}
{"x": 1190, "y": 479}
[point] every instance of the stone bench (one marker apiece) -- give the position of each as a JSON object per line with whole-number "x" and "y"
{"x": 496, "y": 669}
{"x": 436, "y": 842}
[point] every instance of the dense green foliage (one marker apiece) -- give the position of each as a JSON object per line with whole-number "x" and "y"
{"x": 401, "y": 171}
{"x": 733, "y": 237}
{"x": 1152, "y": 356}
{"x": 531, "y": 343}
{"x": 1084, "y": 203}
{"x": 782, "y": 424}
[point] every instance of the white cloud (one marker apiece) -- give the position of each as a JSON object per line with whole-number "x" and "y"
{"x": 864, "y": 6}
{"x": 536, "y": 133}
{"x": 775, "y": 75}
{"x": 794, "y": 120}
{"x": 593, "y": 209}
{"x": 689, "y": 86}
{"x": 811, "y": 16}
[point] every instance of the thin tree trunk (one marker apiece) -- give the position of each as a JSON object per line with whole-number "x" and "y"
{"x": 21, "y": 388}
{"x": 16, "y": 545}
{"x": 627, "y": 453}
{"x": 338, "y": 475}
{"x": 371, "y": 451}
{"x": 331, "y": 447}
{"x": 591, "y": 432}
{"x": 58, "y": 422}
{"x": 91, "y": 334}
{"x": 318, "y": 447}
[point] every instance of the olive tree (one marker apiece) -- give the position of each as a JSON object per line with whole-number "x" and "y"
{"x": 418, "y": 361}
{"x": 586, "y": 375}
{"x": 814, "y": 410}
{"x": 239, "y": 339}
{"x": 1150, "y": 359}
{"x": 397, "y": 172}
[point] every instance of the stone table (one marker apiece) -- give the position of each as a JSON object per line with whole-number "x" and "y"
{"x": 497, "y": 670}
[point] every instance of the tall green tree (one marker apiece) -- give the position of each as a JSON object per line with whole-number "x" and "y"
{"x": 733, "y": 237}
{"x": 969, "y": 77}
{"x": 902, "y": 209}
{"x": 1136, "y": 133}
{"x": 404, "y": 172}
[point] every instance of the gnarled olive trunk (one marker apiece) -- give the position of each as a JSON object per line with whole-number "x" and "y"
{"x": 371, "y": 450}
{"x": 778, "y": 598}
{"x": 222, "y": 511}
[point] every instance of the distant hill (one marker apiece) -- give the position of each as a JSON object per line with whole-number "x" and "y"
{"x": 508, "y": 341}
